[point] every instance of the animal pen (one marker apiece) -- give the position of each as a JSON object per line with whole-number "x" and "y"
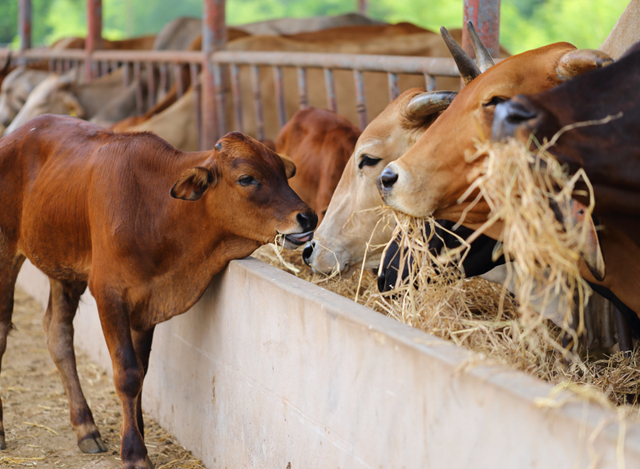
{"x": 268, "y": 370}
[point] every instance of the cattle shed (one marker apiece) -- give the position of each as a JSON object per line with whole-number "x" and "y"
{"x": 267, "y": 370}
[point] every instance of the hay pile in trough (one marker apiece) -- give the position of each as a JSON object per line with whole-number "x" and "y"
{"x": 481, "y": 315}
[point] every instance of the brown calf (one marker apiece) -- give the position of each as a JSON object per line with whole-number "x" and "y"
{"x": 144, "y": 225}
{"x": 320, "y": 143}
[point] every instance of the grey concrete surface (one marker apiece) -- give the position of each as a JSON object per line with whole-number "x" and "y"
{"x": 269, "y": 371}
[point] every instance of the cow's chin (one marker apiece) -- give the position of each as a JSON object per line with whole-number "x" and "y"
{"x": 413, "y": 210}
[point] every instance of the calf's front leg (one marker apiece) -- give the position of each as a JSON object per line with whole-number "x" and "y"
{"x": 128, "y": 375}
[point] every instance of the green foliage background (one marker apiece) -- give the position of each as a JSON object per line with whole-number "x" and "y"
{"x": 525, "y": 24}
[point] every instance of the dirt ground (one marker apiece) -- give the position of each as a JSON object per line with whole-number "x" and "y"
{"x": 36, "y": 414}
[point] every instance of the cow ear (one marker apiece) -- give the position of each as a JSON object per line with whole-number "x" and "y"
{"x": 580, "y": 61}
{"x": 73, "y": 105}
{"x": 193, "y": 183}
{"x": 591, "y": 251}
{"x": 289, "y": 166}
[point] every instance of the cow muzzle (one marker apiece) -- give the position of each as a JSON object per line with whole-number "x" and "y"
{"x": 307, "y": 222}
{"x": 513, "y": 119}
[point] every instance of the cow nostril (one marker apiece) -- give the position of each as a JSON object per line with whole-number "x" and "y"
{"x": 307, "y": 220}
{"x": 388, "y": 178}
{"x": 308, "y": 251}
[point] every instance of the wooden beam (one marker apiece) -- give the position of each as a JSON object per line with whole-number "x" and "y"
{"x": 94, "y": 35}
{"x": 214, "y": 38}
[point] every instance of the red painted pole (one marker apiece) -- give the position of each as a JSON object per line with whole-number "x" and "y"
{"x": 214, "y": 38}
{"x": 94, "y": 35}
{"x": 362, "y": 6}
{"x": 485, "y": 15}
{"x": 24, "y": 25}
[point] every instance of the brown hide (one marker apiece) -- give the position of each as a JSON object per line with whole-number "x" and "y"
{"x": 320, "y": 143}
{"x": 144, "y": 225}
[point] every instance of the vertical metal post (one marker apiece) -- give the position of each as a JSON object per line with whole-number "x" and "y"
{"x": 485, "y": 15}
{"x": 94, "y": 35}
{"x": 24, "y": 26}
{"x": 214, "y": 37}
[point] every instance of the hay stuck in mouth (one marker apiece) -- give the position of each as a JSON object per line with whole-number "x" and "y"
{"x": 481, "y": 315}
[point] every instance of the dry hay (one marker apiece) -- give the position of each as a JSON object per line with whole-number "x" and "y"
{"x": 482, "y": 316}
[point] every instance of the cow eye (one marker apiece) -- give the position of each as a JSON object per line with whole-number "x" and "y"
{"x": 368, "y": 161}
{"x": 247, "y": 180}
{"x": 495, "y": 101}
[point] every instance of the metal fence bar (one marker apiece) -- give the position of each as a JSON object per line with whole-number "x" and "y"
{"x": 330, "y": 85}
{"x": 164, "y": 78}
{"x": 431, "y": 83}
{"x": 197, "y": 96}
{"x": 280, "y": 104}
{"x": 126, "y": 75}
{"x": 220, "y": 99}
{"x": 394, "y": 86}
{"x": 237, "y": 97}
{"x": 367, "y": 63}
{"x": 137, "y": 72}
{"x": 151, "y": 84}
{"x": 303, "y": 92}
{"x": 177, "y": 72}
{"x": 257, "y": 100}
{"x": 361, "y": 100}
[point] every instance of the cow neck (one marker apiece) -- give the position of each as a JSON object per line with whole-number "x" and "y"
{"x": 198, "y": 248}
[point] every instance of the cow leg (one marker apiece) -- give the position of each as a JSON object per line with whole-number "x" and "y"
{"x": 625, "y": 341}
{"x": 128, "y": 375}
{"x": 9, "y": 270}
{"x": 58, "y": 325}
{"x": 142, "y": 345}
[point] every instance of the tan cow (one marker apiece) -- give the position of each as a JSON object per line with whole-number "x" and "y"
{"x": 102, "y": 100}
{"x": 353, "y": 218}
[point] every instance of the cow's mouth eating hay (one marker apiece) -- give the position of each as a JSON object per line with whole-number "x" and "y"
{"x": 480, "y": 315}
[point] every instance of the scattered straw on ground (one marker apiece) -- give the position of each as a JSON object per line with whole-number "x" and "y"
{"x": 36, "y": 413}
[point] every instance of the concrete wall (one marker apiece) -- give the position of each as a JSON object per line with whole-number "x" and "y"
{"x": 268, "y": 370}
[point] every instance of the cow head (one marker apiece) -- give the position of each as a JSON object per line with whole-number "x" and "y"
{"x": 15, "y": 90}
{"x": 244, "y": 186}
{"x": 353, "y": 215}
{"x": 431, "y": 177}
{"x": 52, "y": 96}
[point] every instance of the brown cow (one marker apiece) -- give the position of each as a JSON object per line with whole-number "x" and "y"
{"x": 320, "y": 143}
{"x": 432, "y": 176}
{"x": 144, "y": 225}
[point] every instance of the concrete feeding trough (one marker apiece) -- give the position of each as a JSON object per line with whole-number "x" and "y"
{"x": 267, "y": 370}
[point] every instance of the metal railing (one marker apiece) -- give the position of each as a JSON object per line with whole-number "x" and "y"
{"x": 169, "y": 66}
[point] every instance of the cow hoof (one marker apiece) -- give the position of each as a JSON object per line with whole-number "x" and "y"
{"x": 150, "y": 464}
{"x": 3, "y": 444}
{"x": 92, "y": 445}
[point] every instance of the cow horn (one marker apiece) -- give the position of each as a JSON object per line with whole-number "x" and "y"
{"x": 425, "y": 104}
{"x": 467, "y": 67}
{"x": 579, "y": 61}
{"x": 483, "y": 56}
